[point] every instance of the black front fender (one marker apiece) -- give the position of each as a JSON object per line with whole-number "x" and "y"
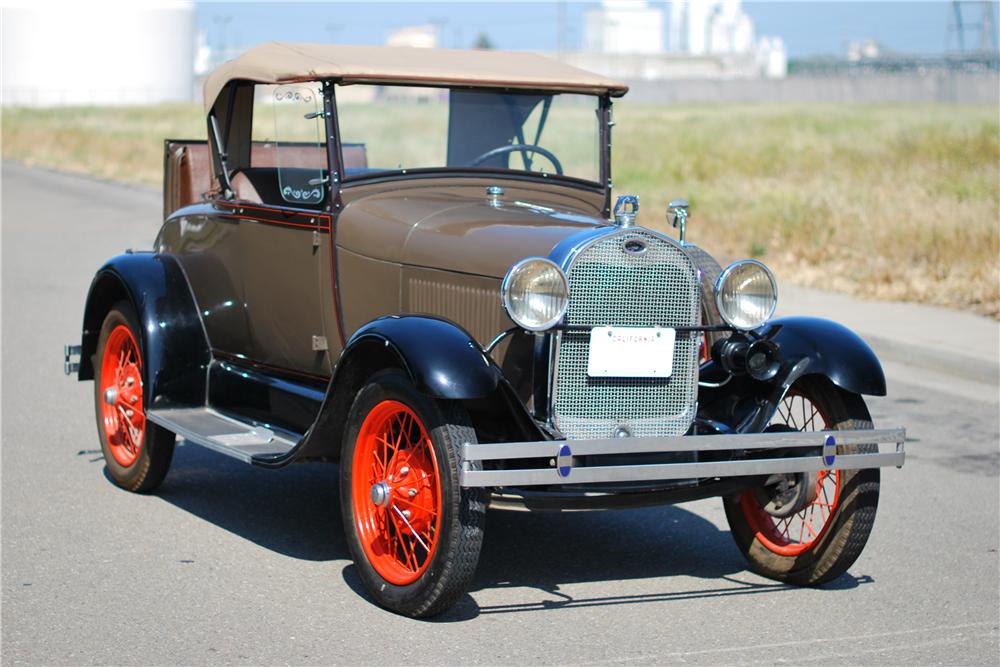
{"x": 440, "y": 357}
{"x": 175, "y": 350}
{"x": 833, "y": 350}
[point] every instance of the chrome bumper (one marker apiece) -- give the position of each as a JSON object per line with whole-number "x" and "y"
{"x": 563, "y": 466}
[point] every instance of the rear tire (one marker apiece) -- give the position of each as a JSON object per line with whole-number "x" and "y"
{"x": 137, "y": 452}
{"x": 413, "y": 532}
{"x": 819, "y": 543}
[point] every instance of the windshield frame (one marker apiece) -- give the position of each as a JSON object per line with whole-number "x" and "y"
{"x": 603, "y": 148}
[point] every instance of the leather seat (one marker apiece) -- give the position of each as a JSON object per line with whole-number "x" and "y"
{"x": 244, "y": 190}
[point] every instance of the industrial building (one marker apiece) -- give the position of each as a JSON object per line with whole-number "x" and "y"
{"x": 703, "y": 39}
{"x": 131, "y": 54}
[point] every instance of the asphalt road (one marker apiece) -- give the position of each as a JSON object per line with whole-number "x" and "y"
{"x": 230, "y": 564}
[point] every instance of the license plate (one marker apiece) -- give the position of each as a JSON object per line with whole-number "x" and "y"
{"x": 631, "y": 352}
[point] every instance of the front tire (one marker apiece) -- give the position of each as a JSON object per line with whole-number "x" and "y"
{"x": 818, "y": 543}
{"x": 413, "y": 532}
{"x": 137, "y": 452}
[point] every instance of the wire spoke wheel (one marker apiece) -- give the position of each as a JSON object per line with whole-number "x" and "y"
{"x": 414, "y": 533}
{"x": 809, "y": 528}
{"x": 122, "y": 414}
{"x": 798, "y": 532}
{"x": 137, "y": 451}
{"x": 396, "y": 492}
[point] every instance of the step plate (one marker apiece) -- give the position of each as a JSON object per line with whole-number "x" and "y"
{"x": 208, "y": 428}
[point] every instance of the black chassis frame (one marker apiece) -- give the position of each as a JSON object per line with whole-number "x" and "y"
{"x": 441, "y": 358}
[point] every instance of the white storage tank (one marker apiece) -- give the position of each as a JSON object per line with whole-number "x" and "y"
{"x": 84, "y": 54}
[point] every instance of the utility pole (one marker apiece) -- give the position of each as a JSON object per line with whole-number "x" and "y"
{"x": 956, "y": 9}
{"x": 988, "y": 35}
{"x": 986, "y": 26}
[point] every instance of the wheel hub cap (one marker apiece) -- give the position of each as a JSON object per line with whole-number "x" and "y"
{"x": 380, "y": 494}
{"x": 120, "y": 400}
{"x": 791, "y": 494}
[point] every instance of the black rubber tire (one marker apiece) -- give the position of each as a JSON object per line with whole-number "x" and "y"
{"x": 454, "y": 561}
{"x": 150, "y": 467}
{"x": 841, "y": 544}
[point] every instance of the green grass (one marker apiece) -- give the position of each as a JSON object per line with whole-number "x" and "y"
{"x": 899, "y": 203}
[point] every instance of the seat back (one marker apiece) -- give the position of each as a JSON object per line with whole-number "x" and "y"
{"x": 187, "y": 169}
{"x": 187, "y": 173}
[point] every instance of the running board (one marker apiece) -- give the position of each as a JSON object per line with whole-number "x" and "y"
{"x": 232, "y": 437}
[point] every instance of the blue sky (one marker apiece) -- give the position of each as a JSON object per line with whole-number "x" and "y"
{"x": 808, "y": 28}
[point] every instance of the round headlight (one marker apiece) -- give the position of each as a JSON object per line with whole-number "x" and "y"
{"x": 535, "y": 294}
{"x": 746, "y": 294}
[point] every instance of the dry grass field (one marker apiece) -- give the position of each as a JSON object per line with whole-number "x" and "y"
{"x": 898, "y": 203}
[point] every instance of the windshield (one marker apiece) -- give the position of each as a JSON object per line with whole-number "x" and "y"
{"x": 399, "y": 128}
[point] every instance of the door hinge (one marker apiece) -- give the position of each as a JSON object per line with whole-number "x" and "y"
{"x": 315, "y": 239}
{"x": 319, "y": 343}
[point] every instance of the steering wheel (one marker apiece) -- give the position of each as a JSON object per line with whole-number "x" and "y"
{"x": 524, "y": 148}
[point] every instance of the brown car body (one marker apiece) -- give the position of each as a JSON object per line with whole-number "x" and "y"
{"x": 292, "y": 285}
{"x": 433, "y": 246}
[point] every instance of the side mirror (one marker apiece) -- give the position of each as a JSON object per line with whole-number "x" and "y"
{"x": 679, "y": 209}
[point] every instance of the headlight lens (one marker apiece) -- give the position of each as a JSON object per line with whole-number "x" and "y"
{"x": 535, "y": 294}
{"x": 746, "y": 294}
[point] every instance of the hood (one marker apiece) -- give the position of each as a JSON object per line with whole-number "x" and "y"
{"x": 455, "y": 234}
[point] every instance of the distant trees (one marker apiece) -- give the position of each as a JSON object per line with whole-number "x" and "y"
{"x": 484, "y": 42}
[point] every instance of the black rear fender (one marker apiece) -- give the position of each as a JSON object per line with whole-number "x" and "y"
{"x": 174, "y": 347}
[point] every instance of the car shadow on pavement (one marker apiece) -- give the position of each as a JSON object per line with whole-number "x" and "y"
{"x": 295, "y": 511}
{"x": 548, "y": 552}
{"x": 561, "y": 600}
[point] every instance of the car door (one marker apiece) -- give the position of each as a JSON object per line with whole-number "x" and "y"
{"x": 284, "y": 231}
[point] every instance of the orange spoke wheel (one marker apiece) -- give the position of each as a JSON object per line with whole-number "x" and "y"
{"x": 137, "y": 451}
{"x": 396, "y": 492}
{"x": 413, "y": 532}
{"x": 122, "y": 415}
{"x": 809, "y": 528}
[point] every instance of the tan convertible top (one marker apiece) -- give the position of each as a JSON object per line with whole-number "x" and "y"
{"x": 284, "y": 62}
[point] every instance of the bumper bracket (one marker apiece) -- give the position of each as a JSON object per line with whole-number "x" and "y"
{"x": 71, "y": 359}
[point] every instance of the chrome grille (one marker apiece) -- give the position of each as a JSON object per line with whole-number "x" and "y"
{"x": 610, "y": 286}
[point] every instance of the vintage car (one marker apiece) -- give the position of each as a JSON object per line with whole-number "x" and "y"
{"x": 407, "y": 261}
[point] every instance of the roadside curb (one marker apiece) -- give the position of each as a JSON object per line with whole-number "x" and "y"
{"x": 933, "y": 359}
